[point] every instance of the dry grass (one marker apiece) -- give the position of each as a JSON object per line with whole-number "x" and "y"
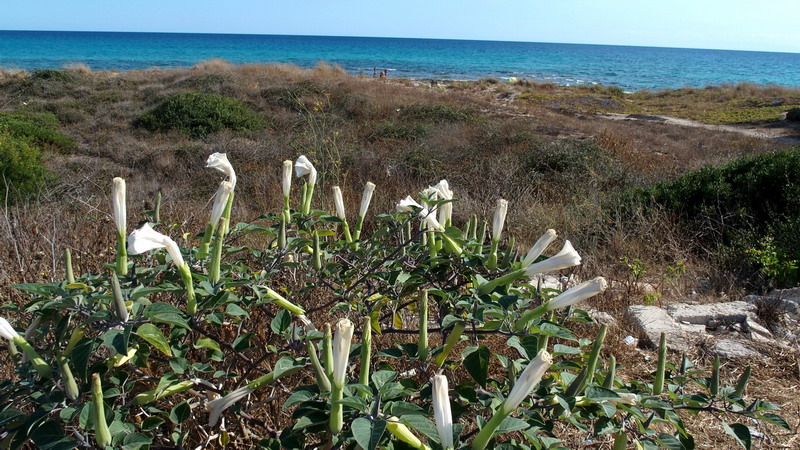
{"x": 557, "y": 166}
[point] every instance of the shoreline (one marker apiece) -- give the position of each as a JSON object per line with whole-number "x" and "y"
{"x": 11, "y": 71}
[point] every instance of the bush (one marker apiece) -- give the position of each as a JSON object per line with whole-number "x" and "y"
{"x": 436, "y": 113}
{"x": 739, "y": 204}
{"x": 37, "y": 128}
{"x": 199, "y": 114}
{"x": 52, "y": 75}
{"x": 793, "y": 115}
{"x": 21, "y": 169}
{"x": 220, "y": 342}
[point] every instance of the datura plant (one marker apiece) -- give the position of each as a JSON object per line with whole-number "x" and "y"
{"x": 412, "y": 330}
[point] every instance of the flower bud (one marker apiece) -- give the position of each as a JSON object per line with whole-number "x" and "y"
{"x": 539, "y": 247}
{"x": 366, "y": 198}
{"x": 118, "y": 202}
{"x": 499, "y": 219}
{"x": 441, "y": 410}
{"x": 286, "y": 180}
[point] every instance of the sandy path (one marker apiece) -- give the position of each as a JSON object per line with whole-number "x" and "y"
{"x": 782, "y": 133}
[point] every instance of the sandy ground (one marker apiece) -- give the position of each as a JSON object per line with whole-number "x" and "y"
{"x": 783, "y": 131}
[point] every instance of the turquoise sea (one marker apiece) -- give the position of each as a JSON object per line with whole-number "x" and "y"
{"x": 630, "y": 68}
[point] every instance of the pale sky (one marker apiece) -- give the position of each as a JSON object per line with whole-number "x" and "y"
{"x": 769, "y": 25}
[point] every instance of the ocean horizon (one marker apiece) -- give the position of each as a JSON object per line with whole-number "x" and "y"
{"x": 628, "y": 67}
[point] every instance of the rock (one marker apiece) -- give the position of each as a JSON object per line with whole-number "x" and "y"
{"x": 727, "y": 326}
{"x": 731, "y": 349}
{"x": 650, "y": 321}
{"x": 721, "y": 313}
{"x": 601, "y": 317}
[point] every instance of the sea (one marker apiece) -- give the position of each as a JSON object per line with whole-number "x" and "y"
{"x": 627, "y": 67}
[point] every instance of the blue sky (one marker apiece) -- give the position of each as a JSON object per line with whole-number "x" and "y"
{"x": 769, "y": 25}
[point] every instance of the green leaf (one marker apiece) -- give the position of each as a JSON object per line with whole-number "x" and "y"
{"x": 180, "y": 413}
{"x": 477, "y": 364}
{"x": 297, "y": 397}
{"x": 118, "y": 340}
{"x": 235, "y": 310}
{"x": 554, "y": 330}
{"x": 136, "y": 441}
{"x": 382, "y": 377}
{"x": 598, "y": 393}
{"x": 669, "y": 441}
{"x": 50, "y": 436}
{"x": 207, "y": 343}
{"x": 367, "y": 433}
{"x": 739, "y": 432}
{"x": 281, "y": 322}
{"x": 401, "y": 408}
{"x": 151, "y": 423}
{"x": 153, "y": 336}
{"x": 527, "y": 346}
{"x": 423, "y": 425}
{"x": 165, "y": 313}
{"x": 511, "y": 424}
{"x": 560, "y": 349}
{"x": 775, "y": 420}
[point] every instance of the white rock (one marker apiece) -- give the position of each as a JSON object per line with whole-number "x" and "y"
{"x": 731, "y": 349}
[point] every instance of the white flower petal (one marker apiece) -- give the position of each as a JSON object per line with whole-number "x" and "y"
{"x": 220, "y": 162}
{"x": 118, "y": 202}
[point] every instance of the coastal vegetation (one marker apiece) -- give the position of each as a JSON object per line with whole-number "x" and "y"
{"x": 620, "y": 191}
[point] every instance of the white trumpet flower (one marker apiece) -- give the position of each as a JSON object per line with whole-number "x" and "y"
{"x": 366, "y": 198}
{"x": 342, "y": 338}
{"x": 577, "y": 294}
{"x": 445, "y": 210}
{"x": 218, "y": 406}
{"x": 338, "y": 202}
{"x": 220, "y": 162}
{"x": 539, "y": 247}
{"x": 303, "y": 167}
{"x": 407, "y": 205}
{"x": 118, "y": 202}
{"x": 7, "y": 331}
{"x": 567, "y": 257}
{"x": 528, "y": 380}
{"x": 499, "y": 219}
{"x": 146, "y": 238}
{"x": 286, "y": 181}
{"x": 441, "y": 410}
{"x": 220, "y": 201}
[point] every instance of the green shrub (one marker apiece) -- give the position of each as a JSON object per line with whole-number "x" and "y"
{"x": 793, "y": 115}
{"x": 37, "y": 128}
{"x": 21, "y": 169}
{"x": 199, "y": 114}
{"x": 402, "y": 132}
{"x": 737, "y": 205}
{"x": 222, "y": 342}
{"x": 436, "y": 113}
{"x": 51, "y": 74}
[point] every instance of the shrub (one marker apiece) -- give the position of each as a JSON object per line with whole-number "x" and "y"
{"x": 436, "y": 113}
{"x": 793, "y": 115}
{"x": 39, "y": 129}
{"x": 52, "y": 75}
{"x": 21, "y": 169}
{"x": 199, "y": 114}
{"x": 739, "y": 204}
{"x": 221, "y": 340}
